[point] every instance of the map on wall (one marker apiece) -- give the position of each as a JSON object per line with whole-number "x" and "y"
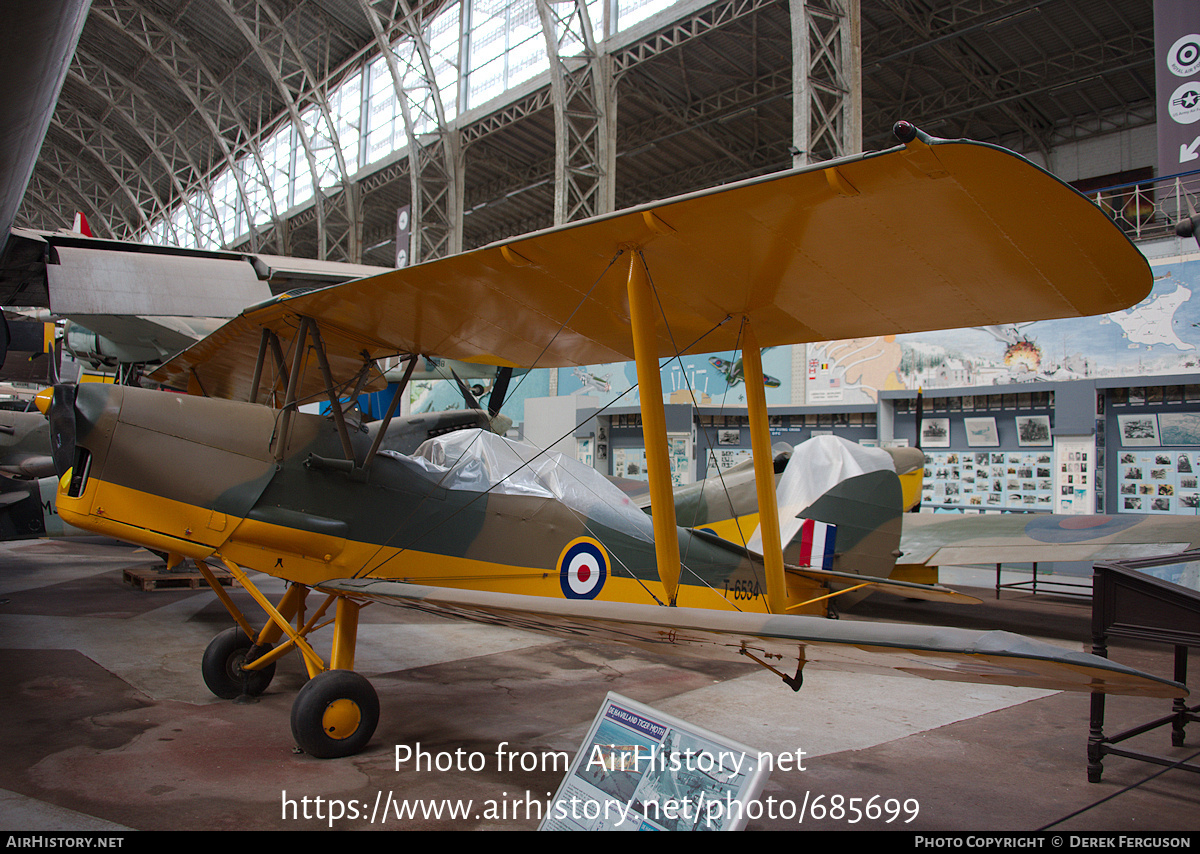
{"x": 1160, "y": 335}
{"x": 851, "y": 371}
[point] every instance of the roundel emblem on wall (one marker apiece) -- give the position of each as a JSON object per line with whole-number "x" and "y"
{"x": 582, "y": 568}
{"x": 1184, "y": 57}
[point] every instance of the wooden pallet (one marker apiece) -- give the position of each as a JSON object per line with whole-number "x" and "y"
{"x": 160, "y": 578}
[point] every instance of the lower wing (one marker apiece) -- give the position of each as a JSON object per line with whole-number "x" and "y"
{"x": 931, "y": 652}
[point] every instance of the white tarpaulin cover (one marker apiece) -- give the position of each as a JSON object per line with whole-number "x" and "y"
{"x": 816, "y": 467}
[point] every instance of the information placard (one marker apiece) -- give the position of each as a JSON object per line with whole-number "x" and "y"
{"x": 641, "y": 769}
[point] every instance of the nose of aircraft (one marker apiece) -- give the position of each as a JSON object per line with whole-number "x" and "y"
{"x": 59, "y": 404}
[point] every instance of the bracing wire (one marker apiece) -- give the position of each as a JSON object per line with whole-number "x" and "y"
{"x": 447, "y": 519}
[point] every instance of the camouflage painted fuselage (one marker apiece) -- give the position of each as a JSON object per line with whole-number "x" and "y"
{"x": 198, "y": 477}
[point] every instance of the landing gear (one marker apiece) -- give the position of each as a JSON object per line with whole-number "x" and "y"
{"x": 335, "y": 714}
{"x": 222, "y": 666}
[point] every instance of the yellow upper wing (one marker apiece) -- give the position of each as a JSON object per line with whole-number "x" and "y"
{"x": 919, "y": 237}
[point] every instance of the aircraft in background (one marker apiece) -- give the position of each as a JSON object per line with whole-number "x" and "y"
{"x": 25, "y": 461}
{"x": 25, "y": 444}
{"x": 180, "y": 296}
{"x": 592, "y": 382}
{"x": 733, "y": 372}
{"x": 33, "y": 66}
{"x": 473, "y": 526}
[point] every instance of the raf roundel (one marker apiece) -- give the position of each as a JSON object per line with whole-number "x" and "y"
{"x": 582, "y": 568}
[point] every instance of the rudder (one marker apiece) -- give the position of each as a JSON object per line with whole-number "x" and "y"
{"x": 853, "y": 527}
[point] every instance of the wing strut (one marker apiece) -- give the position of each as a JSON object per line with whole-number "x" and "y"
{"x": 764, "y": 471}
{"x": 256, "y": 380}
{"x": 654, "y": 426}
{"x": 335, "y": 406}
{"x": 289, "y": 397}
{"x": 391, "y": 411}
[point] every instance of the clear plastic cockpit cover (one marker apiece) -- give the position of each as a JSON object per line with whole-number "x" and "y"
{"x": 481, "y": 461}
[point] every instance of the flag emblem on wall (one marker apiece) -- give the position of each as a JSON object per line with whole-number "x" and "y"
{"x": 817, "y": 542}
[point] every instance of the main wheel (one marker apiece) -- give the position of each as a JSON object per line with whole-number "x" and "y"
{"x": 222, "y": 666}
{"x": 335, "y": 714}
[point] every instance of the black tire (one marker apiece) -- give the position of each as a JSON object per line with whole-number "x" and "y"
{"x": 222, "y": 666}
{"x": 335, "y": 714}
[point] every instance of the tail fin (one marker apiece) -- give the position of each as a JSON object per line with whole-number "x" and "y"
{"x": 840, "y": 507}
{"x": 910, "y": 466}
{"x": 856, "y": 524}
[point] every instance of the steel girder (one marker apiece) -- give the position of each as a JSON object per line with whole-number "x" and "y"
{"x": 436, "y": 163}
{"x": 338, "y": 238}
{"x": 159, "y": 44}
{"x": 826, "y": 79}
{"x": 1002, "y": 89}
{"x": 583, "y": 93}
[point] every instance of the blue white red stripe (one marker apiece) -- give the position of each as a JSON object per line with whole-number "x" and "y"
{"x": 817, "y": 543}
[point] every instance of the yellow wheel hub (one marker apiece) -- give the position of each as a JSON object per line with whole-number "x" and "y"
{"x": 341, "y": 719}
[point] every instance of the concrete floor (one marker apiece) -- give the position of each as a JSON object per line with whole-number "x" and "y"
{"x": 110, "y": 725}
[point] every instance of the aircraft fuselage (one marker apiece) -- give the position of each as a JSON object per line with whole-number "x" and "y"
{"x": 201, "y": 477}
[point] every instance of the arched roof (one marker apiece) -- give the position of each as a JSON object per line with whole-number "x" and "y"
{"x": 171, "y": 111}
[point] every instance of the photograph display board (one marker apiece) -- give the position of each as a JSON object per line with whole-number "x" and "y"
{"x": 990, "y": 480}
{"x": 1159, "y": 481}
{"x": 723, "y": 459}
{"x": 981, "y": 432}
{"x": 1156, "y": 452}
{"x": 631, "y": 462}
{"x": 1075, "y": 459}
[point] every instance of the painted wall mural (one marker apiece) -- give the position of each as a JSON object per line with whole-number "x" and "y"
{"x": 713, "y": 379}
{"x": 1160, "y": 335}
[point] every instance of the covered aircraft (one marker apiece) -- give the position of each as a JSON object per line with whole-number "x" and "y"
{"x": 473, "y": 526}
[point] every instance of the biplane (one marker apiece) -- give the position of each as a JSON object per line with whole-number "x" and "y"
{"x": 467, "y": 524}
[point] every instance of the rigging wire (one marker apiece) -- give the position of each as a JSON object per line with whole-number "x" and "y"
{"x": 557, "y": 332}
{"x": 541, "y": 452}
{"x": 342, "y": 387}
